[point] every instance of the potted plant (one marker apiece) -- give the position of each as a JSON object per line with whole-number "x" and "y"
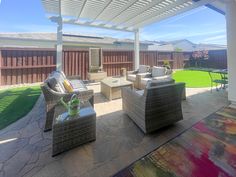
{"x": 166, "y": 64}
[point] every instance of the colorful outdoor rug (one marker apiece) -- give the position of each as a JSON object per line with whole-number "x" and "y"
{"x": 208, "y": 149}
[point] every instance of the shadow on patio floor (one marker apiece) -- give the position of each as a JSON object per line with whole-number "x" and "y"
{"x": 119, "y": 141}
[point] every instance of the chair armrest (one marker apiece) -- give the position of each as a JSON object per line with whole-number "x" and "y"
{"x": 52, "y": 97}
{"x": 132, "y": 72}
{"x": 131, "y": 93}
{"x": 148, "y": 75}
{"x": 144, "y": 75}
{"x": 76, "y": 77}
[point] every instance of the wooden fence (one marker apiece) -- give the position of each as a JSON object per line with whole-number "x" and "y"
{"x": 25, "y": 66}
{"x": 113, "y": 61}
{"x": 217, "y": 59}
{"x": 76, "y": 62}
{"x": 177, "y": 60}
{"x": 33, "y": 65}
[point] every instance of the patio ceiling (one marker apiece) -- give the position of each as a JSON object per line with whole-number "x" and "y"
{"x": 124, "y": 15}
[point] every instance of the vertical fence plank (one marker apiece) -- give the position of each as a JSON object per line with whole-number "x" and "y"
{"x": 1, "y": 67}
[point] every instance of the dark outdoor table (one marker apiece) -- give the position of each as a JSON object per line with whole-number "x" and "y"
{"x": 220, "y": 71}
{"x": 224, "y": 79}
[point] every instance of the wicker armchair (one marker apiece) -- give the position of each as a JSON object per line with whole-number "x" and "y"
{"x": 156, "y": 107}
{"x": 52, "y": 97}
{"x": 132, "y": 75}
{"x": 158, "y": 74}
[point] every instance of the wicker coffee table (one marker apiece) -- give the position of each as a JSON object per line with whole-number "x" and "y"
{"x": 111, "y": 86}
{"x": 73, "y": 131}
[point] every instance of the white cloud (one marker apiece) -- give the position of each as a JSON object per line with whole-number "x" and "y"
{"x": 181, "y": 16}
{"x": 158, "y": 35}
{"x": 215, "y": 37}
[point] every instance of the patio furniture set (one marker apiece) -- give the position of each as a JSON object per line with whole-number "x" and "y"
{"x": 151, "y": 108}
{"x": 146, "y": 74}
{"x": 155, "y": 75}
{"x": 72, "y": 131}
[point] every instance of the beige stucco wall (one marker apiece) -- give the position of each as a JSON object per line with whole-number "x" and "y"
{"x": 51, "y": 44}
{"x": 231, "y": 52}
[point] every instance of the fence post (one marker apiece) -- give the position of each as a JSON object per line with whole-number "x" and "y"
{"x": 173, "y": 58}
{"x": 0, "y": 67}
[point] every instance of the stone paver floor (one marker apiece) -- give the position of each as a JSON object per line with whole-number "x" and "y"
{"x": 25, "y": 150}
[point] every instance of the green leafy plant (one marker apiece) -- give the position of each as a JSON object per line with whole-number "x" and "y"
{"x": 166, "y": 63}
{"x": 178, "y": 49}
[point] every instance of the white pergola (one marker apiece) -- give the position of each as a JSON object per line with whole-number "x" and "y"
{"x": 131, "y": 15}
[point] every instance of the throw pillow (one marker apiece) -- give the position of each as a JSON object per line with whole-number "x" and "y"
{"x": 68, "y": 86}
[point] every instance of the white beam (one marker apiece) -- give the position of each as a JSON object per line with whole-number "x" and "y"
{"x": 59, "y": 44}
{"x": 59, "y": 39}
{"x": 136, "y": 50}
{"x": 231, "y": 52}
{"x": 90, "y": 24}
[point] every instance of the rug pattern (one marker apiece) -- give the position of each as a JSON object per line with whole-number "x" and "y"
{"x": 208, "y": 149}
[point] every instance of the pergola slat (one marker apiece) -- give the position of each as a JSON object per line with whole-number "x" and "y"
{"x": 127, "y": 15}
{"x": 168, "y": 13}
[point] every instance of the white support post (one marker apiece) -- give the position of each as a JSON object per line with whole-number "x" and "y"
{"x": 231, "y": 52}
{"x": 59, "y": 43}
{"x": 136, "y": 50}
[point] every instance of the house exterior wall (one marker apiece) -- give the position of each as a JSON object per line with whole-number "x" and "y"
{"x": 231, "y": 52}
{"x": 22, "y": 43}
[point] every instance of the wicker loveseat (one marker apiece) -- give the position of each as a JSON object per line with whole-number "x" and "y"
{"x": 52, "y": 95}
{"x": 155, "y": 107}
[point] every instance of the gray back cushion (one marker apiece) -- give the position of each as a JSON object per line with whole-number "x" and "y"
{"x": 158, "y": 71}
{"x": 62, "y": 74}
{"x": 143, "y": 68}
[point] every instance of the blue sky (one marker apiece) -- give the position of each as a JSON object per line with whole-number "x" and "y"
{"x": 200, "y": 25}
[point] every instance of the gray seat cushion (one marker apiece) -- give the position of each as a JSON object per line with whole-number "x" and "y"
{"x": 165, "y": 78}
{"x": 78, "y": 85}
{"x": 154, "y": 83}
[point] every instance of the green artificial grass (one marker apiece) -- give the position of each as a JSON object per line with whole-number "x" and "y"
{"x": 194, "y": 79}
{"x": 16, "y": 103}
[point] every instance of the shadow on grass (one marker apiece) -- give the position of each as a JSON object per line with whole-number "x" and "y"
{"x": 16, "y": 103}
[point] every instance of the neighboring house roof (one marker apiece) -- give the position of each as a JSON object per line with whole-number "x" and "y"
{"x": 70, "y": 38}
{"x": 161, "y": 47}
{"x": 184, "y": 45}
